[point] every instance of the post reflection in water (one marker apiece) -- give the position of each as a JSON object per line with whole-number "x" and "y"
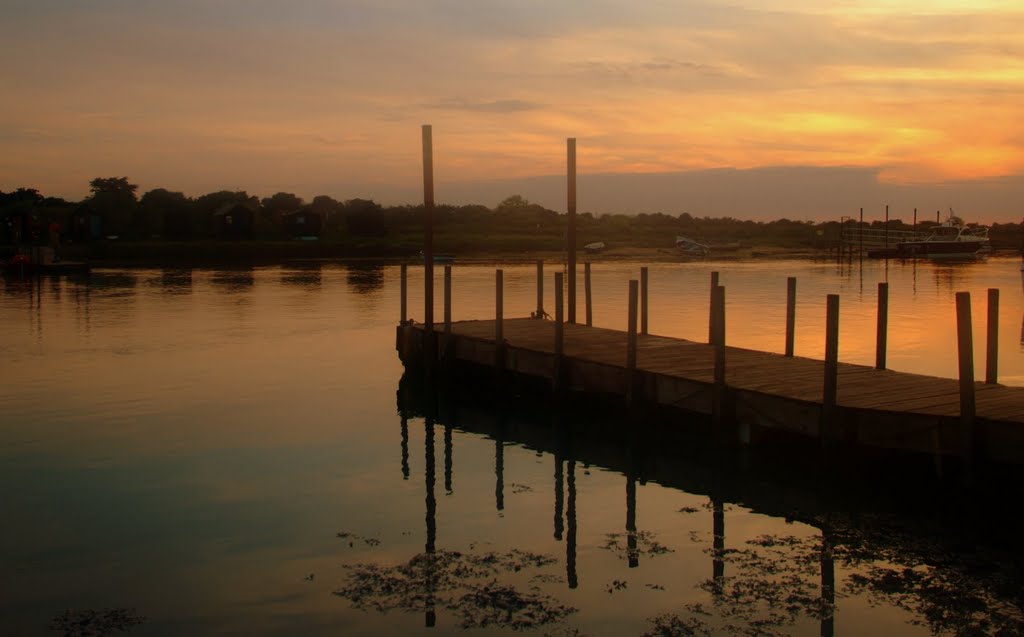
{"x": 632, "y": 554}
{"x": 828, "y": 584}
{"x": 431, "y": 519}
{"x": 499, "y": 464}
{"x": 570, "y": 519}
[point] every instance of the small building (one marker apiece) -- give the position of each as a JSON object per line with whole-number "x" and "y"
{"x": 303, "y": 223}
{"x": 233, "y": 221}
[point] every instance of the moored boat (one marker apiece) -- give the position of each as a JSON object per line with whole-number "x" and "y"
{"x": 951, "y": 239}
{"x": 689, "y": 247}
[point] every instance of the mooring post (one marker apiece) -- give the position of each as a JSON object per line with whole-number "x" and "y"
{"x": 404, "y": 278}
{"x": 556, "y": 376}
{"x": 965, "y": 349}
{"x": 643, "y": 300}
{"x": 860, "y": 233}
{"x": 711, "y": 311}
{"x": 992, "y": 349}
{"x": 790, "y": 315}
{"x": 429, "y": 344}
{"x": 499, "y": 319}
{"x": 570, "y": 234}
{"x": 882, "y": 338}
{"x": 718, "y": 340}
{"x": 588, "y": 301}
{"x": 539, "y": 314}
{"x": 631, "y": 341}
{"x": 446, "y": 353}
{"x": 887, "y": 226}
{"x": 831, "y": 381}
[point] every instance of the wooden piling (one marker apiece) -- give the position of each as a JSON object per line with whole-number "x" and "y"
{"x": 499, "y": 319}
{"x": 831, "y": 381}
{"x": 718, "y": 340}
{"x": 447, "y": 300}
{"x": 539, "y": 314}
{"x": 570, "y": 234}
{"x": 886, "y": 225}
{"x": 882, "y": 331}
{"x": 711, "y": 314}
{"x": 556, "y": 380}
{"x": 404, "y": 278}
{"x": 790, "y": 315}
{"x": 631, "y": 341}
{"x": 992, "y": 342}
{"x": 643, "y": 300}
{"x": 860, "y": 233}
{"x": 588, "y": 301}
{"x": 428, "y": 229}
{"x": 965, "y": 349}
{"x": 446, "y": 350}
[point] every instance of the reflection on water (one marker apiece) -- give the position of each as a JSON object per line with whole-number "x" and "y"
{"x": 302, "y": 273}
{"x": 948, "y": 572}
{"x": 226, "y": 448}
{"x": 236, "y": 280}
{"x": 364, "y": 277}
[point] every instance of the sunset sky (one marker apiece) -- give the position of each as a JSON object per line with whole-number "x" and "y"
{"x": 915, "y": 103}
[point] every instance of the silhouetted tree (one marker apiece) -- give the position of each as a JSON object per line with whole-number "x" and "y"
{"x": 364, "y": 218}
{"x": 114, "y": 199}
{"x": 166, "y": 213}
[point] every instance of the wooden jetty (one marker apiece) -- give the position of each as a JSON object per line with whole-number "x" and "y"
{"x": 877, "y": 407}
{"x": 745, "y": 392}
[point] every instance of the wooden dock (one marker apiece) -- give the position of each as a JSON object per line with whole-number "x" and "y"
{"x": 762, "y": 390}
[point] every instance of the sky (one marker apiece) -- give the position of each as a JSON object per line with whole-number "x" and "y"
{"x": 751, "y": 108}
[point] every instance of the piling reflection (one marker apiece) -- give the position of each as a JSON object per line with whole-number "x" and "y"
{"x": 927, "y": 556}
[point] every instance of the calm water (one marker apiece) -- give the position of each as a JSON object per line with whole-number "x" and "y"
{"x": 222, "y": 452}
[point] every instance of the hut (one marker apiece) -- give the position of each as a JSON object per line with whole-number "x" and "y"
{"x": 86, "y": 224}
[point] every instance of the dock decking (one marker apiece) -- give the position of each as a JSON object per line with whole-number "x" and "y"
{"x": 874, "y": 407}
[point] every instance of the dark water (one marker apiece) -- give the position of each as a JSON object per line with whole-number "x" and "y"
{"x": 238, "y": 452}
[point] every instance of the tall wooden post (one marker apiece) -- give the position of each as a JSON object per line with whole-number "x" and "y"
{"x": 965, "y": 349}
{"x": 831, "y": 381}
{"x": 718, "y": 340}
{"x": 790, "y": 315}
{"x": 992, "y": 342}
{"x": 540, "y": 290}
{"x": 711, "y": 312}
{"x": 643, "y": 300}
{"x": 882, "y": 336}
{"x": 446, "y": 353}
{"x": 447, "y": 300}
{"x": 631, "y": 341}
{"x": 556, "y": 380}
{"x": 404, "y": 278}
{"x": 588, "y": 300}
{"x": 915, "y": 219}
{"x": 428, "y": 230}
{"x": 499, "y": 319}
{"x": 570, "y": 233}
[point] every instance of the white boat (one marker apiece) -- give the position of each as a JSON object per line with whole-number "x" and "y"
{"x": 951, "y": 239}
{"x": 597, "y": 246}
{"x": 691, "y": 248}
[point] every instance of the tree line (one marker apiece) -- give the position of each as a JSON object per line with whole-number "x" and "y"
{"x": 113, "y": 209}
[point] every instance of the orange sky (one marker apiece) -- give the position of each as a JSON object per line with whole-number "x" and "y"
{"x": 327, "y": 96}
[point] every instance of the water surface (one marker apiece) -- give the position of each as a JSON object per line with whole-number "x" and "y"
{"x": 193, "y": 451}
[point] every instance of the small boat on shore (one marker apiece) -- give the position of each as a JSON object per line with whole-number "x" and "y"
{"x": 690, "y": 248}
{"x": 950, "y": 240}
{"x": 595, "y": 247}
